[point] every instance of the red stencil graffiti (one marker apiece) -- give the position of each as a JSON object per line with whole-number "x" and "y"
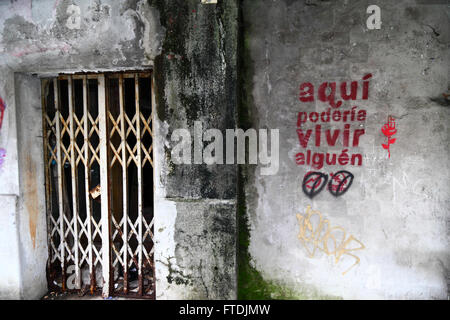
{"x": 314, "y": 182}
{"x": 389, "y": 130}
{"x": 2, "y": 111}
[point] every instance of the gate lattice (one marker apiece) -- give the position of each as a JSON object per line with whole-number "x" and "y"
{"x": 98, "y": 143}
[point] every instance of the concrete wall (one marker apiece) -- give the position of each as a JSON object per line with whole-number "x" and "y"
{"x": 9, "y": 190}
{"x": 210, "y": 67}
{"x": 396, "y": 207}
{"x": 45, "y": 38}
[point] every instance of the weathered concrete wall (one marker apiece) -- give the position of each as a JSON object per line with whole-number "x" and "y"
{"x": 192, "y": 48}
{"x": 9, "y": 249}
{"x": 396, "y": 207}
{"x": 196, "y": 81}
{"x": 45, "y": 38}
{"x": 31, "y": 205}
{"x": 9, "y": 190}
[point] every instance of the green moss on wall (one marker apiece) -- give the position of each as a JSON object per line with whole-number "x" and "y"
{"x": 251, "y": 285}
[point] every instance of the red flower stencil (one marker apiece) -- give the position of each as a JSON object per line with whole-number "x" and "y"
{"x": 389, "y": 130}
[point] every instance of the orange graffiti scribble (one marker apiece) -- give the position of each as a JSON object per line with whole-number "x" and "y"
{"x": 317, "y": 239}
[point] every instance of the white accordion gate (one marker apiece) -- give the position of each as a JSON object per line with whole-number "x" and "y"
{"x": 98, "y": 148}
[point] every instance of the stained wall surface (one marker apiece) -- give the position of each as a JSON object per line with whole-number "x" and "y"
{"x": 393, "y": 219}
{"x": 179, "y": 41}
{"x": 241, "y": 64}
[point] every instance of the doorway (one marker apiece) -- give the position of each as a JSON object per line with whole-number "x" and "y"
{"x": 98, "y": 155}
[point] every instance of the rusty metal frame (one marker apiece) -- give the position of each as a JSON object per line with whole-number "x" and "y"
{"x": 68, "y": 226}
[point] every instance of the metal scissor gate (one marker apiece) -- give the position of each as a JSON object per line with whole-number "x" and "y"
{"x": 98, "y": 149}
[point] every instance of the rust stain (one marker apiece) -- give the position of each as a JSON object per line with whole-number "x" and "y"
{"x": 31, "y": 197}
